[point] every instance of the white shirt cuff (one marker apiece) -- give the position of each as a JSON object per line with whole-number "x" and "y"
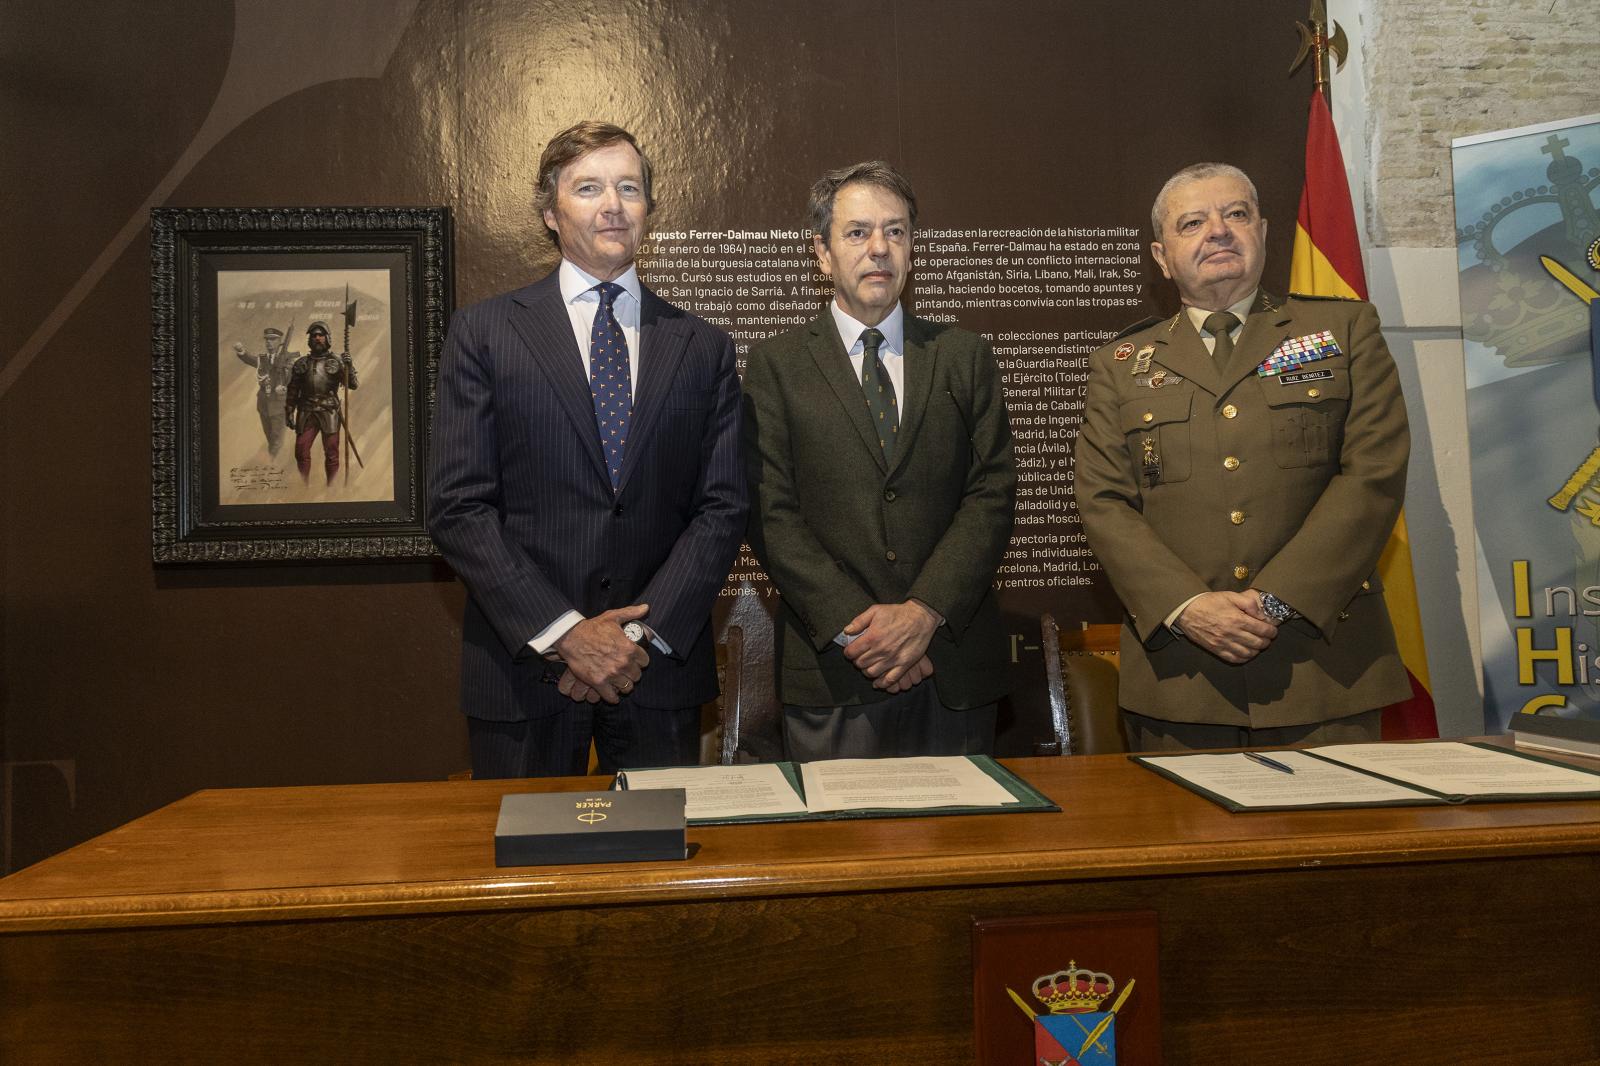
{"x": 546, "y": 638}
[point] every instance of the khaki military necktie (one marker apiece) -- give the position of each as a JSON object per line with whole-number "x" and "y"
{"x": 1220, "y": 325}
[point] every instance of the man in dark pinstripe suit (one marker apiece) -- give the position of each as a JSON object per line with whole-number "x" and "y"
{"x": 585, "y": 484}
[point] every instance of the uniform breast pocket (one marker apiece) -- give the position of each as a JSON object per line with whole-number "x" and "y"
{"x": 1308, "y": 416}
{"x": 1157, "y": 427}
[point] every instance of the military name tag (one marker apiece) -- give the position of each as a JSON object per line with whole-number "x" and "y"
{"x": 1298, "y": 351}
{"x": 1305, "y": 375}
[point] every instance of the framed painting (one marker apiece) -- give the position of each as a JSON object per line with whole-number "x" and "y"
{"x": 295, "y": 355}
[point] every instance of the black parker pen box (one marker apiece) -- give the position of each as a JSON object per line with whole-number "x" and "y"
{"x": 559, "y": 828}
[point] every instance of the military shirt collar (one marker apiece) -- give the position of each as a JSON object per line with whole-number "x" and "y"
{"x": 1241, "y": 311}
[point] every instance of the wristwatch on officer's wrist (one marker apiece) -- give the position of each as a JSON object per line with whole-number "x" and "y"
{"x": 1276, "y": 609}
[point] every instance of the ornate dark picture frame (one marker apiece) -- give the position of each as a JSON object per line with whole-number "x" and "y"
{"x": 263, "y": 448}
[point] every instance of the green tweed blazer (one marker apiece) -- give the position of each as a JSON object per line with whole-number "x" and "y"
{"x": 839, "y": 530}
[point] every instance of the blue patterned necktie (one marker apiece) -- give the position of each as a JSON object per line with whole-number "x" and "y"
{"x": 609, "y": 382}
{"x": 879, "y": 391}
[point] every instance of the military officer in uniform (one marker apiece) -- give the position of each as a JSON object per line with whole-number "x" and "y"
{"x": 272, "y": 381}
{"x": 312, "y": 401}
{"x": 1239, "y": 471}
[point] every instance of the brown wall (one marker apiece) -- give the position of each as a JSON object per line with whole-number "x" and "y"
{"x": 124, "y": 686}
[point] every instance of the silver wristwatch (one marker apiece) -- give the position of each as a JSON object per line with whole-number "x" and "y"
{"x": 1276, "y": 609}
{"x": 634, "y": 631}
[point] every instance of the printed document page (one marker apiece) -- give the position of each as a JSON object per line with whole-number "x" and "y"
{"x": 724, "y": 791}
{"x": 1462, "y": 769}
{"x": 923, "y": 781}
{"x": 1313, "y": 784}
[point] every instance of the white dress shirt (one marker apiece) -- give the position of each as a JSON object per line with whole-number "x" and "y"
{"x": 892, "y": 351}
{"x": 583, "y": 302}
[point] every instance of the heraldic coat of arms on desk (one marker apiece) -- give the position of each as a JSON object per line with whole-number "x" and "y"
{"x": 1087, "y": 986}
{"x": 1074, "y": 1030}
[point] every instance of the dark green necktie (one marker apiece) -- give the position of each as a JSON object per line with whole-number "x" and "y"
{"x": 1220, "y": 325}
{"x": 879, "y": 391}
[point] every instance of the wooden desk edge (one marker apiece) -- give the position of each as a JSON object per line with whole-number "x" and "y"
{"x": 660, "y": 883}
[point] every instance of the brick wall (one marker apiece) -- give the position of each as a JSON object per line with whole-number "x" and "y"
{"x": 1440, "y": 69}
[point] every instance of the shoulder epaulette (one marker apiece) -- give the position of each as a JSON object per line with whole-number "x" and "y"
{"x": 1143, "y": 323}
{"x": 1309, "y": 296}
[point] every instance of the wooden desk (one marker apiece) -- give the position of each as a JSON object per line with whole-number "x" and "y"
{"x": 369, "y": 924}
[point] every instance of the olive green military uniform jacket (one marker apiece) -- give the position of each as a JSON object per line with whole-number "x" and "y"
{"x": 838, "y": 529}
{"x": 1193, "y": 477}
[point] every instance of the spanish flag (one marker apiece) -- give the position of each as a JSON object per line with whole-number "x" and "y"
{"x": 1327, "y": 262}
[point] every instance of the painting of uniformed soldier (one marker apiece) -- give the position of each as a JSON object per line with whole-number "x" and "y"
{"x": 271, "y": 367}
{"x": 313, "y": 425}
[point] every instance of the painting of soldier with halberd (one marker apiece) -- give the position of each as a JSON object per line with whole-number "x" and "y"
{"x": 305, "y": 373}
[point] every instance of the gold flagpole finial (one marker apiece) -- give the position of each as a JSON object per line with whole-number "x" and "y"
{"x": 1317, "y": 41}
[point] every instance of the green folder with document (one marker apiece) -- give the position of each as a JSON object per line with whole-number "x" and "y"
{"x": 844, "y": 788}
{"x": 1374, "y": 775}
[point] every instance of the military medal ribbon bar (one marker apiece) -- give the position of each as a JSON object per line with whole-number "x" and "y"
{"x": 1298, "y": 351}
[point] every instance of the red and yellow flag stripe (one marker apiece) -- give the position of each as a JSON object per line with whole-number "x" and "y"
{"x": 1327, "y": 262}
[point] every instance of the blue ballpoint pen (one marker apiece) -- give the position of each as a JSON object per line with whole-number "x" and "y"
{"x": 1264, "y": 761}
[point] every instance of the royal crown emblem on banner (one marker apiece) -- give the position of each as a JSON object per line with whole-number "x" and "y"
{"x": 1524, "y": 316}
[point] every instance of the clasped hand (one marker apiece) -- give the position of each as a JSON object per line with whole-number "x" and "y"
{"x": 602, "y": 663}
{"x": 891, "y": 644}
{"x": 1230, "y": 625}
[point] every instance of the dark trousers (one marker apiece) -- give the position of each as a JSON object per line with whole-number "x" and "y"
{"x": 626, "y": 737}
{"x": 908, "y": 723}
{"x": 272, "y": 422}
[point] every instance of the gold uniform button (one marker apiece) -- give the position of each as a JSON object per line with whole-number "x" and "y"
{"x": 1313, "y": 393}
{"x": 1148, "y": 417}
{"x": 1241, "y": 572}
{"x": 1230, "y": 411}
{"x": 1366, "y": 586}
{"x": 1236, "y": 517}
{"x": 1231, "y": 462}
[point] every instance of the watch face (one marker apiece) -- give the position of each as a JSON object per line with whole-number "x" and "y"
{"x": 634, "y": 632}
{"x": 1276, "y": 609}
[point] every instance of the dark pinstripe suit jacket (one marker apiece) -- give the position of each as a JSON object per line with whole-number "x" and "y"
{"x": 521, "y": 505}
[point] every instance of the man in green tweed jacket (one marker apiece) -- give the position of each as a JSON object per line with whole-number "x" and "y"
{"x": 878, "y": 453}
